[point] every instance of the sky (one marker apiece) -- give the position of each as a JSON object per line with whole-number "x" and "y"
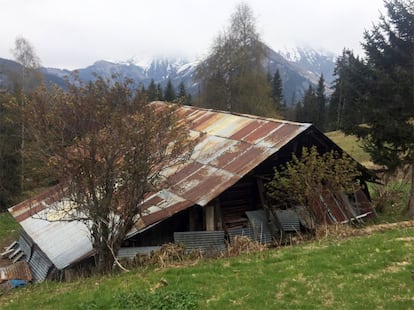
{"x": 74, "y": 34}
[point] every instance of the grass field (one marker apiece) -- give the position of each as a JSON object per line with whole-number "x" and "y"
{"x": 371, "y": 272}
{"x": 351, "y": 145}
{"x": 8, "y": 228}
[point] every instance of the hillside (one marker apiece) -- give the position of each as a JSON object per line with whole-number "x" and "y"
{"x": 351, "y": 145}
{"x": 367, "y": 272}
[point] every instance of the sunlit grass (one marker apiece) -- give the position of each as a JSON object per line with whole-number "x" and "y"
{"x": 351, "y": 145}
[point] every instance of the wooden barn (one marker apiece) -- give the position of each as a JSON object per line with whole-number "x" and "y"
{"x": 217, "y": 194}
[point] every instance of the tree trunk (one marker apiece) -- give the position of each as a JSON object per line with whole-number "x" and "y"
{"x": 410, "y": 207}
{"x": 105, "y": 259}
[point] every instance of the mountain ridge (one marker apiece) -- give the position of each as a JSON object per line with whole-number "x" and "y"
{"x": 297, "y": 72}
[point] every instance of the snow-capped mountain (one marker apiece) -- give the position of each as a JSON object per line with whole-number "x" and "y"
{"x": 159, "y": 70}
{"x": 298, "y": 69}
{"x": 316, "y": 61}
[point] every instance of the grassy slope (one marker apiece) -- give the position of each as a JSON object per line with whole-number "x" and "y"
{"x": 8, "y": 229}
{"x": 357, "y": 273}
{"x": 351, "y": 145}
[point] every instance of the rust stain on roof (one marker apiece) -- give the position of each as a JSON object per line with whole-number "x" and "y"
{"x": 231, "y": 145}
{"x": 261, "y": 132}
{"x": 19, "y": 270}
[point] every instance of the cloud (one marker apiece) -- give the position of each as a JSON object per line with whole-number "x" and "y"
{"x": 76, "y": 33}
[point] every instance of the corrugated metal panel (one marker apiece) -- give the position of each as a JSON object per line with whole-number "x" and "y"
{"x": 289, "y": 220}
{"x": 254, "y": 233}
{"x": 19, "y": 270}
{"x": 258, "y": 229}
{"x": 231, "y": 145}
{"x": 62, "y": 242}
{"x": 259, "y": 226}
{"x": 25, "y": 244}
{"x": 39, "y": 265}
{"x": 205, "y": 241}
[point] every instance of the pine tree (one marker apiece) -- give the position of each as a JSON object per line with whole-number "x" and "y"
{"x": 169, "y": 93}
{"x": 183, "y": 97}
{"x": 159, "y": 93}
{"x": 348, "y": 88}
{"x": 181, "y": 90}
{"x": 298, "y": 112}
{"x": 277, "y": 90}
{"x": 152, "y": 91}
{"x": 310, "y": 106}
{"x": 320, "y": 104}
{"x": 388, "y": 101}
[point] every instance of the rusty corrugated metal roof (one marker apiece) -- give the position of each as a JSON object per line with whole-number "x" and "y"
{"x": 19, "y": 270}
{"x": 230, "y": 146}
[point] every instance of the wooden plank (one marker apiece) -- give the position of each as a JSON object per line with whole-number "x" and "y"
{"x": 209, "y": 218}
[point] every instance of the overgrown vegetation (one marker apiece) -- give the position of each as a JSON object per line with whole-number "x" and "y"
{"x": 390, "y": 196}
{"x": 391, "y": 192}
{"x": 353, "y": 273}
{"x": 302, "y": 180}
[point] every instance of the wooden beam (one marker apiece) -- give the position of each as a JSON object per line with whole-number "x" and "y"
{"x": 209, "y": 217}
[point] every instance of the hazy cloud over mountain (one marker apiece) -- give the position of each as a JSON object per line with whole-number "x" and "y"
{"x": 73, "y": 34}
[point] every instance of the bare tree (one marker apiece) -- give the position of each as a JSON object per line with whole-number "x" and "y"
{"x": 233, "y": 76}
{"x": 108, "y": 149}
{"x": 25, "y": 55}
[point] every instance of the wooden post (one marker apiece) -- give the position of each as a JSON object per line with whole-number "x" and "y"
{"x": 209, "y": 212}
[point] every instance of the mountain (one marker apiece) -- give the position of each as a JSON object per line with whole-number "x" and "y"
{"x": 298, "y": 69}
{"x": 10, "y": 71}
{"x": 160, "y": 70}
{"x": 295, "y": 79}
{"x": 316, "y": 61}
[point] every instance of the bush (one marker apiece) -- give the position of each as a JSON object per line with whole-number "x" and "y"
{"x": 391, "y": 200}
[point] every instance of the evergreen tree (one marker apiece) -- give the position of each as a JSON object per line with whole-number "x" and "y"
{"x": 388, "y": 101}
{"x": 183, "y": 97}
{"x": 181, "y": 90}
{"x": 348, "y": 88}
{"x": 298, "y": 112}
{"x": 159, "y": 94}
{"x": 310, "y": 106}
{"x": 152, "y": 91}
{"x": 320, "y": 104}
{"x": 277, "y": 90}
{"x": 169, "y": 93}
